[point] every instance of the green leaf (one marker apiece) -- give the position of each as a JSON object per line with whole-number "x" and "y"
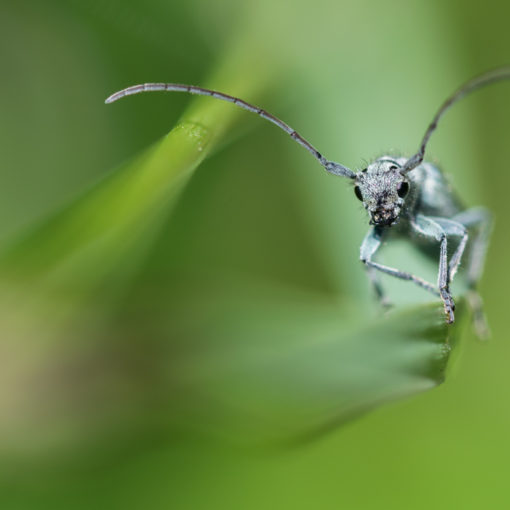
{"x": 275, "y": 364}
{"x": 88, "y": 241}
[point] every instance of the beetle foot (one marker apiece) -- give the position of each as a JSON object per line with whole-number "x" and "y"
{"x": 449, "y": 305}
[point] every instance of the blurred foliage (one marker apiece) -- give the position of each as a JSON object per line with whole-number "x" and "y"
{"x": 144, "y": 337}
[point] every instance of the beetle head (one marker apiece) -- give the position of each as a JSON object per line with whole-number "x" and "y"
{"x": 382, "y": 189}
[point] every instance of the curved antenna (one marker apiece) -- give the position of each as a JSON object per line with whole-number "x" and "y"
{"x": 499, "y": 74}
{"x": 330, "y": 166}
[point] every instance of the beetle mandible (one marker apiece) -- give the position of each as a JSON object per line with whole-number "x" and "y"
{"x": 404, "y": 197}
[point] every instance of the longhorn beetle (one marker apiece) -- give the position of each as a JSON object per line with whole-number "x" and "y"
{"x": 403, "y": 196}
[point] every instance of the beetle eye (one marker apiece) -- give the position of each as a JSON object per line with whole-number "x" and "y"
{"x": 403, "y": 189}
{"x": 358, "y": 194}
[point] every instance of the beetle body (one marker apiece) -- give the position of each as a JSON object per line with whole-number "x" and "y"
{"x": 420, "y": 206}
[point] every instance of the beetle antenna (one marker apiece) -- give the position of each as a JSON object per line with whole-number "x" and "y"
{"x": 330, "y": 166}
{"x": 493, "y": 76}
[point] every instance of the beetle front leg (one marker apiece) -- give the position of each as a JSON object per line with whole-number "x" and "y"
{"x": 443, "y": 281}
{"x": 370, "y": 245}
{"x": 453, "y": 228}
{"x": 429, "y": 229}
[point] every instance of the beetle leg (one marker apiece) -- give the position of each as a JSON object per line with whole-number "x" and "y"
{"x": 478, "y": 220}
{"x": 454, "y": 228}
{"x": 430, "y": 228}
{"x": 370, "y": 245}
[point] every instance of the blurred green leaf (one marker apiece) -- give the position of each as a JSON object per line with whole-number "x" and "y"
{"x": 113, "y": 224}
{"x": 261, "y": 363}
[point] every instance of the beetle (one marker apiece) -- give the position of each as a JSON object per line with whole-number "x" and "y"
{"x": 404, "y": 197}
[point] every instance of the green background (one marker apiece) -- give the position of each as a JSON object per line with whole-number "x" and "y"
{"x": 104, "y": 430}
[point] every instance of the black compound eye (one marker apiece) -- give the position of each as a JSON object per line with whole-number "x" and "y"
{"x": 403, "y": 189}
{"x": 358, "y": 194}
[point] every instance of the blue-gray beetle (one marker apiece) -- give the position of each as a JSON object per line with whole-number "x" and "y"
{"x": 404, "y": 197}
